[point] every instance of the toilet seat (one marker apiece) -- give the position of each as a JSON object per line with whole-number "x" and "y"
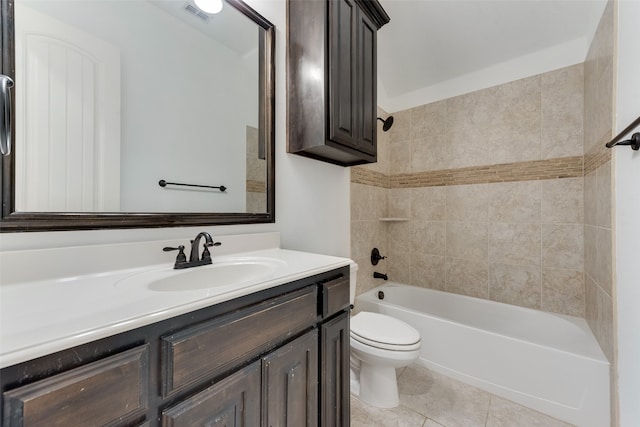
{"x": 384, "y": 332}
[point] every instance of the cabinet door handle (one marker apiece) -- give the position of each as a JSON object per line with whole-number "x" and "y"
{"x": 5, "y": 117}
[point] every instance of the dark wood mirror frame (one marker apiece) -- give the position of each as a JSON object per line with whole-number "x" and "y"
{"x": 11, "y": 221}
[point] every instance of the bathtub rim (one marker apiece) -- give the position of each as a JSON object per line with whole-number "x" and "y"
{"x": 578, "y": 322}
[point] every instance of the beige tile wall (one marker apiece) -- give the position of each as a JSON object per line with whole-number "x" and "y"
{"x": 515, "y": 242}
{"x": 598, "y": 193}
{"x": 369, "y": 191}
{"x": 530, "y": 119}
{"x": 495, "y": 207}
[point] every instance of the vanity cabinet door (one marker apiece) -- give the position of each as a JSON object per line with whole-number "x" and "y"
{"x": 290, "y": 376}
{"x": 352, "y": 77}
{"x": 232, "y": 402}
{"x": 334, "y": 371}
{"x": 342, "y": 112}
{"x": 110, "y": 392}
{"x": 331, "y": 79}
{"x": 366, "y": 82}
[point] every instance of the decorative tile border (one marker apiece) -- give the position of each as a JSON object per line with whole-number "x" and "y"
{"x": 256, "y": 186}
{"x": 597, "y": 156}
{"x": 361, "y": 175}
{"x": 565, "y": 167}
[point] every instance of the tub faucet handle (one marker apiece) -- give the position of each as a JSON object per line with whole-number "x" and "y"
{"x": 375, "y": 256}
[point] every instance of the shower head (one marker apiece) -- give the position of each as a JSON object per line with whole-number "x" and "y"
{"x": 386, "y": 124}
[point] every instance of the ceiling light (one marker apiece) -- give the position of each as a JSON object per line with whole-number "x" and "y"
{"x": 209, "y": 6}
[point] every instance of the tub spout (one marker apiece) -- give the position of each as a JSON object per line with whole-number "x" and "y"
{"x": 377, "y": 275}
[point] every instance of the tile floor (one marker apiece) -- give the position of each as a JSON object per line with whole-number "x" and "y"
{"x": 429, "y": 399}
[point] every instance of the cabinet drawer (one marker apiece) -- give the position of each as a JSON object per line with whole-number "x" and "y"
{"x": 213, "y": 347}
{"x": 335, "y": 295}
{"x": 109, "y": 392}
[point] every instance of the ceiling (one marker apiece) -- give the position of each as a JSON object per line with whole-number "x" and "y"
{"x": 229, "y": 27}
{"x": 429, "y": 42}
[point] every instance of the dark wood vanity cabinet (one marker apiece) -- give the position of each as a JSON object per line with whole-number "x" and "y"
{"x": 281, "y": 389}
{"x": 334, "y": 390}
{"x": 272, "y": 358}
{"x": 331, "y": 79}
{"x": 216, "y": 346}
{"x": 113, "y": 391}
{"x": 335, "y": 348}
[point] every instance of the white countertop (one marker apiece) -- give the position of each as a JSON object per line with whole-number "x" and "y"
{"x": 44, "y": 316}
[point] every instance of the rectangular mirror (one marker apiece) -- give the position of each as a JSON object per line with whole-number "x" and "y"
{"x": 137, "y": 113}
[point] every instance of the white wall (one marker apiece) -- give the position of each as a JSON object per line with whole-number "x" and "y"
{"x": 627, "y": 209}
{"x": 312, "y": 198}
{"x": 553, "y": 58}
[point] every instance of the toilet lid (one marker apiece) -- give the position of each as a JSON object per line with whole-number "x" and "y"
{"x": 383, "y": 329}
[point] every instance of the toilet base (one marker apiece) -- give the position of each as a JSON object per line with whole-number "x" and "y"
{"x": 378, "y": 386}
{"x": 354, "y": 376}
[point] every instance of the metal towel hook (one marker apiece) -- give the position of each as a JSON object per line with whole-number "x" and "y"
{"x": 6, "y": 83}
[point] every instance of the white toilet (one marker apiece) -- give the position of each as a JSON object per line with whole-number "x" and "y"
{"x": 379, "y": 345}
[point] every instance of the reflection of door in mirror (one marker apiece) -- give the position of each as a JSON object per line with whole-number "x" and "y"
{"x": 69, "y": 156}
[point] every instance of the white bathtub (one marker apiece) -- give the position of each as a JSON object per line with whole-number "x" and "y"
{"x": 547, "y": 362}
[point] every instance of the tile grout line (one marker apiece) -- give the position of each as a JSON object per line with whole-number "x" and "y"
{"x": 486, "y": 419}
{"x": 541, "y": 243}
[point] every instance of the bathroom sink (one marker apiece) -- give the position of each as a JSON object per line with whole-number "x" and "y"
{"x": 228, "y": 273}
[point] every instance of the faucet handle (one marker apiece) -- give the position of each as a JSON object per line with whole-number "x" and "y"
{"x": 375, "y": 256}
{"x": 206, "y": 255}
{"x": 169, "y": 248}
{"x": 181, "y": 257}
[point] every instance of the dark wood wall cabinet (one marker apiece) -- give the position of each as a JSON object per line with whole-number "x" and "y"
{"x": 331, "y": 79}
{"x": 278, "y": 357}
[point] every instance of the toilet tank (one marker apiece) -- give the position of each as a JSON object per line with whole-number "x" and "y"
{"x": 353, "y": 278}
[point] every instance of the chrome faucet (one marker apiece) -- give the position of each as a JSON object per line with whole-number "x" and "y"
{"x": 194, "y": 257}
